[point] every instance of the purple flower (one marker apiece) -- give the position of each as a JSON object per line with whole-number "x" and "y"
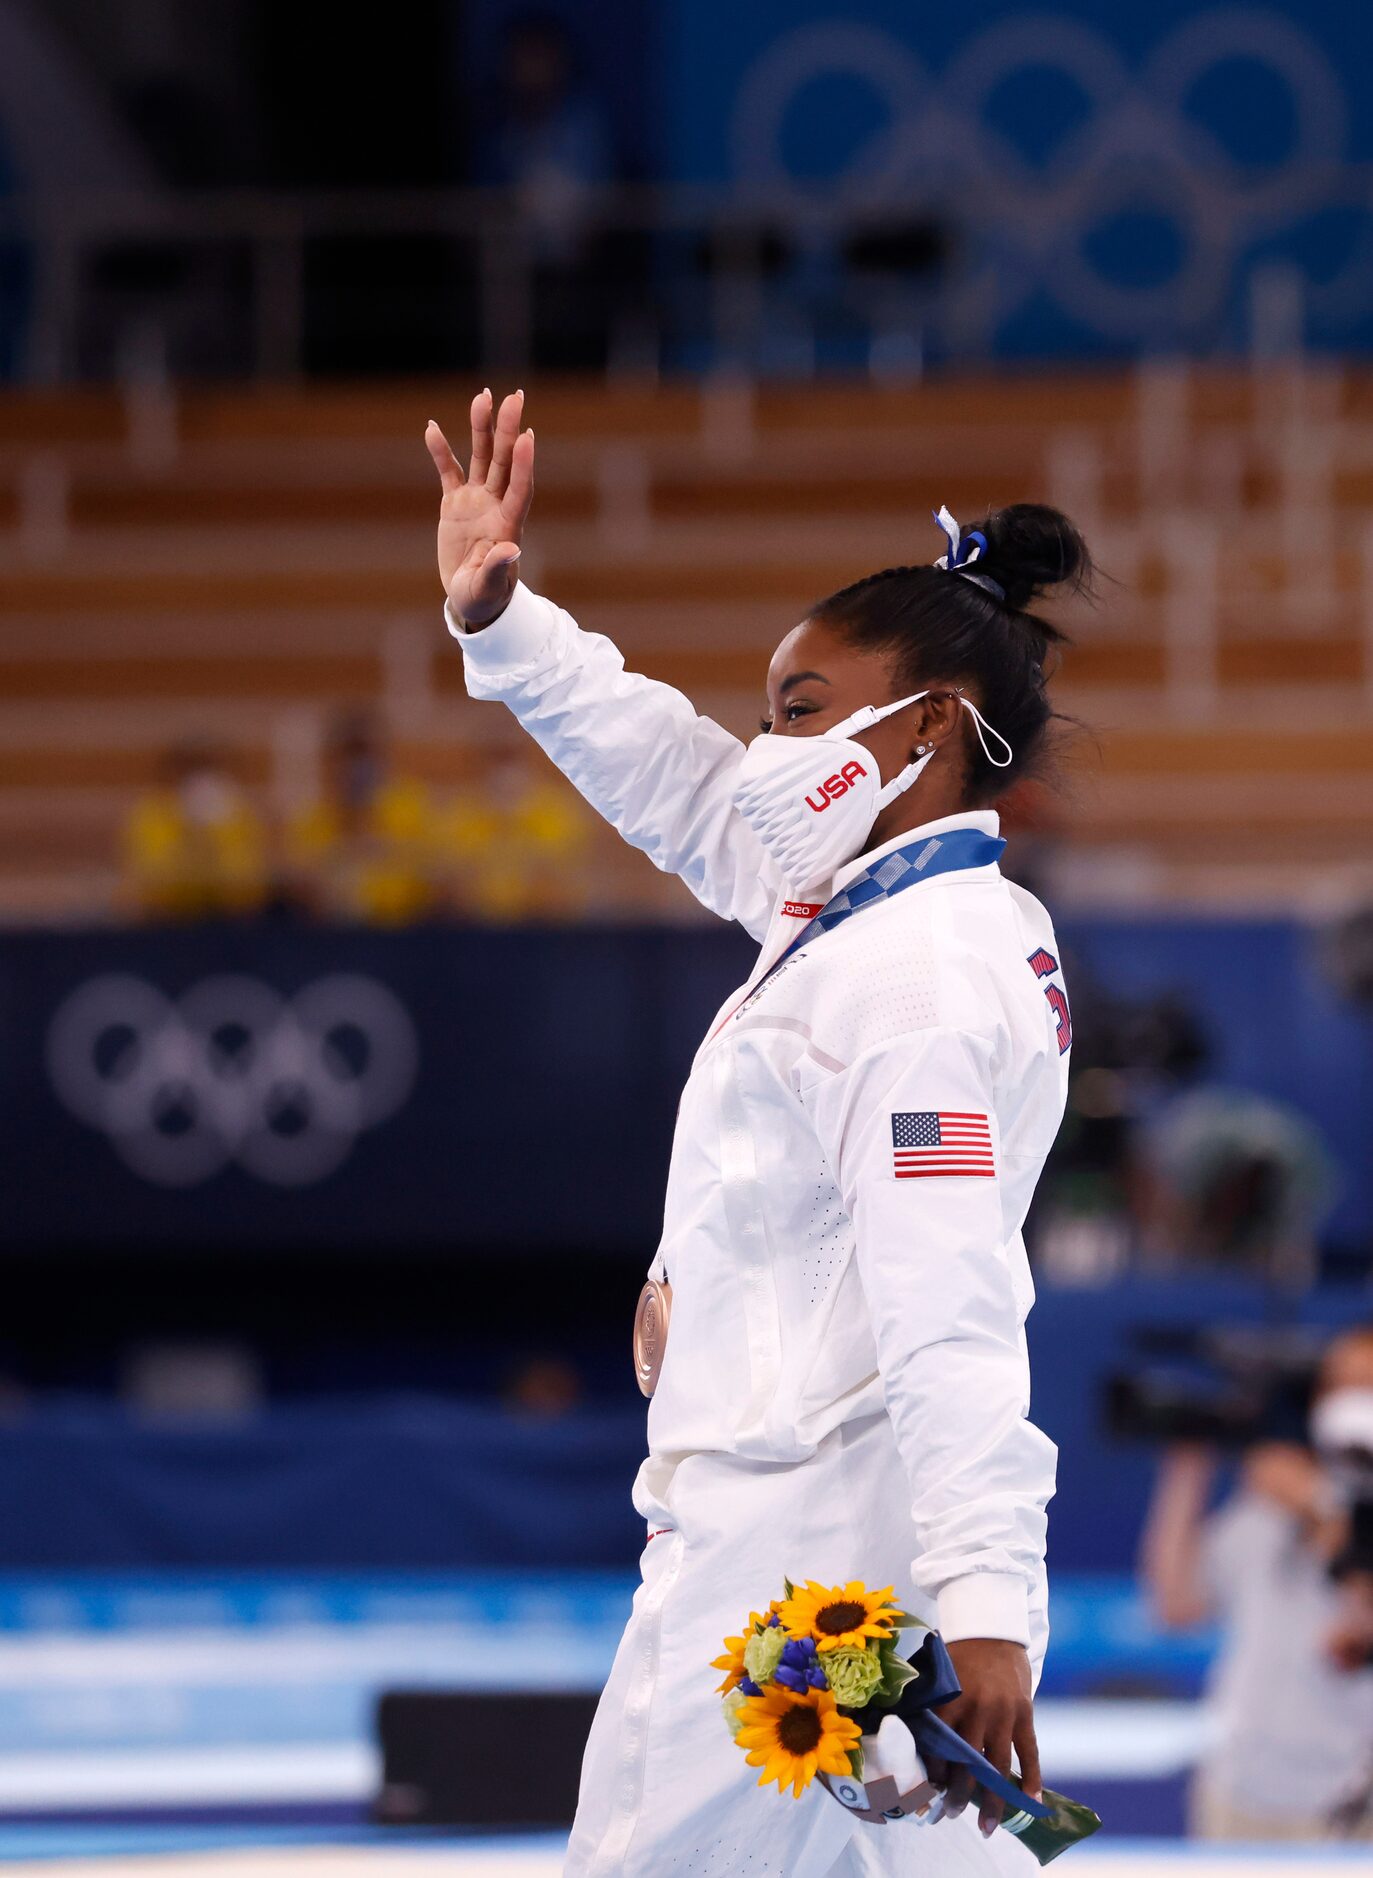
{"x": 748, "y": 1686}
{"x": 799, "y": 1669}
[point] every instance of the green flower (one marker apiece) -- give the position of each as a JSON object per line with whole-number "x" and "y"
{"x": 763, "y": 1652}
{"x": 854, "y": 1674}
{"x": 733, "y": 1706}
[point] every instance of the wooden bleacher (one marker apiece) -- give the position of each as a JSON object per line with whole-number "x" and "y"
{"x": 238, "y": 563}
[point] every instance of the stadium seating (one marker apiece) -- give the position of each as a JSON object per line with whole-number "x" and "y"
{"x": 235, "y": 563}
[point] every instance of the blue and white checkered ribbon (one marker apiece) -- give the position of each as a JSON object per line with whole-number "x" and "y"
{"x": 902, "y": 868}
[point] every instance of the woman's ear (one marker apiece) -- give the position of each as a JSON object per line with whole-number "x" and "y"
{"x": 935, "y": 719}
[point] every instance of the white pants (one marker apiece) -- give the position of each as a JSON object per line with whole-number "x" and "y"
{"x": 665, "y": 1793}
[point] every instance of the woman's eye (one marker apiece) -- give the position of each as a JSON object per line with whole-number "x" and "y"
{"x": 790, "y": 713}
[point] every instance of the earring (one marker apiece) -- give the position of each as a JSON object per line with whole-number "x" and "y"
{"x": 920, "y": 749}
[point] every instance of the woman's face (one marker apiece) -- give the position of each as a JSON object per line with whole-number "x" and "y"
{"x": 816, "y": 680}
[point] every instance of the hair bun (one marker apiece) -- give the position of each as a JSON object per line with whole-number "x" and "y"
{"x": 1031, "y": 548}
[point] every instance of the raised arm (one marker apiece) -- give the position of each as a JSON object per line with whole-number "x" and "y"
{"x": 660, "y": 773}
{"x": 1172, "y": 1561}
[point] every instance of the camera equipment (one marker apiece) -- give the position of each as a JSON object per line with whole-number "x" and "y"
{"x": 1355, "y": 1559}
{"x": 1342, "y": 1432}
{"x": 1229, "y": 1386}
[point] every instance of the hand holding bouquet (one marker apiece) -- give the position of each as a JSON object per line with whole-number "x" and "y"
{"x": 813, "y": 1678}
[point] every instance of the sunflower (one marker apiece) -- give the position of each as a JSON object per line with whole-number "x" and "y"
{"x": 794, "y": 1737}
{"x": 839, "y": 1614}
{"x": 733, "y": 1661}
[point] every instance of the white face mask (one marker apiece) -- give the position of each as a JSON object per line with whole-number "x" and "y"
{"x": 1342, "y": 1423}
{"x": 812, "y": 801}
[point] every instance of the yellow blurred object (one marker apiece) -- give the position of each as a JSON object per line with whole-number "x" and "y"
{"x": 517, "y": 848}
{"x": 376, "y": 864}
{"x": 195, "y": 853}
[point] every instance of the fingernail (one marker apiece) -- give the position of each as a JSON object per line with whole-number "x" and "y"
{"x": 486, "y": 391}
{"x": 987, "y": 1827}
{"x": 520, "y": 392}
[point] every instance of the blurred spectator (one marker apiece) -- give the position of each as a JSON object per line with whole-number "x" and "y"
{"x": 1162, "y": 1167}
{"x": 194, "y": 847}
{"x": 1131, "y": 1060}
{"x": 1231, "y": 1178}
{"x": 1351, "y": 1646}
{"x": 1292, "y": 1691}
{"x": 363, "y": 851}
{"x": 554, "y": 148}
{"x": 517, "y": 842}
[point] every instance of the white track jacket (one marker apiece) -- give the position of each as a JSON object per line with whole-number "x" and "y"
{"x": 815, "y": 1275}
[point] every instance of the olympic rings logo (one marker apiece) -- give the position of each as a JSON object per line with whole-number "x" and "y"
{"x": 232, "y": 1074}
{"x": 1138, "y": 148}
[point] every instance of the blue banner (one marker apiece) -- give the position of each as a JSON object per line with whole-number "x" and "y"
{"x": 1104, "y": 179}
{"x": 269, "y": 1085}
{"x": 264, "y": 1085}
{"x": 391, "y": 1482}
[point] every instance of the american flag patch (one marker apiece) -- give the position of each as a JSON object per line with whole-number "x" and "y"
{"x": 930, "y": 1144}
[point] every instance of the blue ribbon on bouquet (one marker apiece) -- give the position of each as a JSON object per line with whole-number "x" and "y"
{"x": 936, "y": 1682}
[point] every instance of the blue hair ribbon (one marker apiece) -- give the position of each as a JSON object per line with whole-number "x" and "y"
{"x": 962, "y": 551}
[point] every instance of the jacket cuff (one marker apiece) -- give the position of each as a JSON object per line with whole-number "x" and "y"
{"x": 514, "y": 639}
{"x": 985, "y": 1604}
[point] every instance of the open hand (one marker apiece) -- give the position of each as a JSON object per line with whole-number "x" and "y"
{"x": 482, "y": 514}
{"x": 994, "y": 1714}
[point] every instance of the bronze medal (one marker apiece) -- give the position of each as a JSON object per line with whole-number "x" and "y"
{"x": 650, "y": 1333}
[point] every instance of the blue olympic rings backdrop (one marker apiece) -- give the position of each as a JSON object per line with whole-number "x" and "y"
{"x": 1112, "y": 178}
{"x": 265, "y": 1084}
{"x": 218, "y": 1085}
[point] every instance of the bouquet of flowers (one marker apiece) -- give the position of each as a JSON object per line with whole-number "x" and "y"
{"x": 812, "y": 1678}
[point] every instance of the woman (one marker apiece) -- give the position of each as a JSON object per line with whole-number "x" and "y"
{"x": 1289, "y": 1749}
{"x": 845, "y": 1384}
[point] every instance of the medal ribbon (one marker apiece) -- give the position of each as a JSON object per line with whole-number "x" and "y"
{"x": 903, "y": 867}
